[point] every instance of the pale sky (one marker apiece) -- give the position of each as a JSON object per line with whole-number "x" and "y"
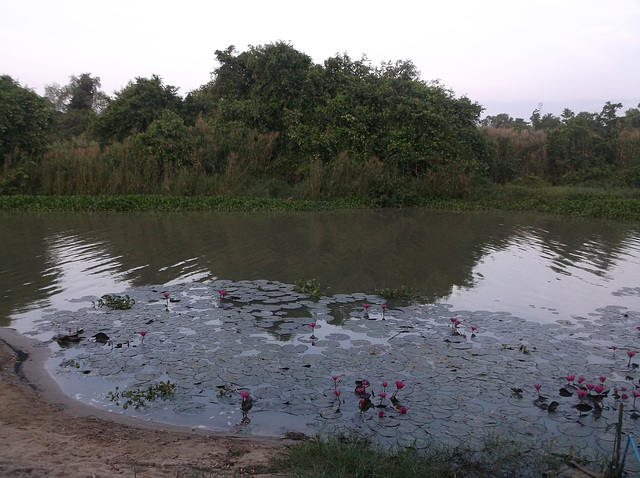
{"x": 508, "y": 55}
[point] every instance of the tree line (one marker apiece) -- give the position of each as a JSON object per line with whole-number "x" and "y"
{"x": 271, "y": 116}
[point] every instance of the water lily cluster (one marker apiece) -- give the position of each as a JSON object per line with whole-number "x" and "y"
{"x": 365, "y": 394}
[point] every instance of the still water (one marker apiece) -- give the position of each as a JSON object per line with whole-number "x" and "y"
{"x": 538, "y": 267}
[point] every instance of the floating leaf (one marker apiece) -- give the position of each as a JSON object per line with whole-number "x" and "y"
{"x": 583, "y": 407}
{"x": 565, "y": 393}
{"x": 552, "y": 406}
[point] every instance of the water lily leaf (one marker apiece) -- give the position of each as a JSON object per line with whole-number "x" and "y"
{"x": 583, "y": 407}
{"x": 552, "y": 406}
{"x": 565, "y": 393}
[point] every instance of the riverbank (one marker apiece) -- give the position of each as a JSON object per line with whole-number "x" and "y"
{"x": 573, "y": 201}
{"x": 45, "y": 435}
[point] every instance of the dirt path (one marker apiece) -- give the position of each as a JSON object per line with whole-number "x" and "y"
{"x": 43, "y": 433}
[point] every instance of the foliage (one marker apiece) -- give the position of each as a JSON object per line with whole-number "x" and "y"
{"x": 403, "y": 292}
{"x": 14, "y": 183}
{"x": 138, "y": 397}
{"x": 24, "y": 119}
{"x": 116, "y": 302}
{"x": 271, "y": 123}
{"x": 75, "y": 105}
{"x": 307, "y": 286}
{"x": 343, "y": 455}
{"x": 166, "y": 139}
{"x": 135, "y": 107}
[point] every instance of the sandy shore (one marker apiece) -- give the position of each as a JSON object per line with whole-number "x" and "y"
{"x": 44, "y": 433}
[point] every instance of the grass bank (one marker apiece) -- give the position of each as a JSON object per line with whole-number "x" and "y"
{"x": 341, "y": 456}
{"x": 587, "y": 202}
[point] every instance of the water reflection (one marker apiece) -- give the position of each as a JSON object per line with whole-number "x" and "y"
{"x": 535, "y": 265}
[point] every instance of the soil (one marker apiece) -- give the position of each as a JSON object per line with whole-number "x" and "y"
{"x": 46, "y": 434}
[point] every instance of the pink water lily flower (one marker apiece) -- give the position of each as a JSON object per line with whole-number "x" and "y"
{"x": 383, "y": 394}
{"x": 580, "y": 379}
{"x": 399, "y": 384}
{"x": 166, "y": 295}
{"x": 381, "y": 414}
{"x": 245, "y": 395}
{"x": 598, "y": 389}
{"x": 581, "y": 393}
{"x": 602, "y": 379}
{"x": 142, "y": 334}
{"x": 630, "y": 354}
{"x": 384, "y": 384}
{"x": 570, "y": 378}
{"x": 337, "y": 392}
{"x": 403, "y": 409}
{"x": 312, "y": 325}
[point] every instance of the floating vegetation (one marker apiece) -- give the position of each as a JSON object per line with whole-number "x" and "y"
{"x": 117, "y": 302}
{"x": 139, "y": 397}
{"x": 437, "y": 375}
{"x": 403, "y": 292}
{"x": 307, "y": 286}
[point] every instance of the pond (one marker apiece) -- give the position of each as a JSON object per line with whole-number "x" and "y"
{"x": 537, "y": 299}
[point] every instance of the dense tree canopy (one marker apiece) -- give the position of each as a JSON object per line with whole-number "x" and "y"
{"x": 271, "y": 114}
{"x": 135, "y": 107}
{"x": 24, "y": 119}
{"x": 75, "y": 105}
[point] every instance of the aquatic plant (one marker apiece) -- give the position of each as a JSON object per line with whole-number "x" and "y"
{"x": 313, "y": 330}
{"x": 139, "y": 397}
{"x": 382, "y": 397}
{"x": 630, "y": 354}
{"x": 142, "y": 334}
{"x": 399, "y": 386}
{"x": 307, "y": 286}
{"x": 402, "y": 292}
{"x": 582, "y": 393}
{"x": 222, "y": 293}
{"x": 537, "y": 386}
{"x": 117, "y": 302}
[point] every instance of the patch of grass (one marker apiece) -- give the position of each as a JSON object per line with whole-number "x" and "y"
{"x": 341, "y": 456}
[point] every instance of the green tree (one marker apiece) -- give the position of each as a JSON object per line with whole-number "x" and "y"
{"x": 166, "y": 139}
{"x": 135, "y": 107}
{"x": 24, "y": 119}
{"x": 75, "y": 105}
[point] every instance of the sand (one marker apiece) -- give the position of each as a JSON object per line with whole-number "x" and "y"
{"x": 45, "y": 433}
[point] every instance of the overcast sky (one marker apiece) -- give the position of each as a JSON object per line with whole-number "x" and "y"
{"x": 508, "y": 55}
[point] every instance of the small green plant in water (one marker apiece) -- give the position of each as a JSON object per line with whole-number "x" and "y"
{"x": 116, "y": 301}
{"x": 139, "y": 397}
{"x": 70, "y": 363}
{"x": 307, "y": 286}
{"x": 403, "y": 292}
